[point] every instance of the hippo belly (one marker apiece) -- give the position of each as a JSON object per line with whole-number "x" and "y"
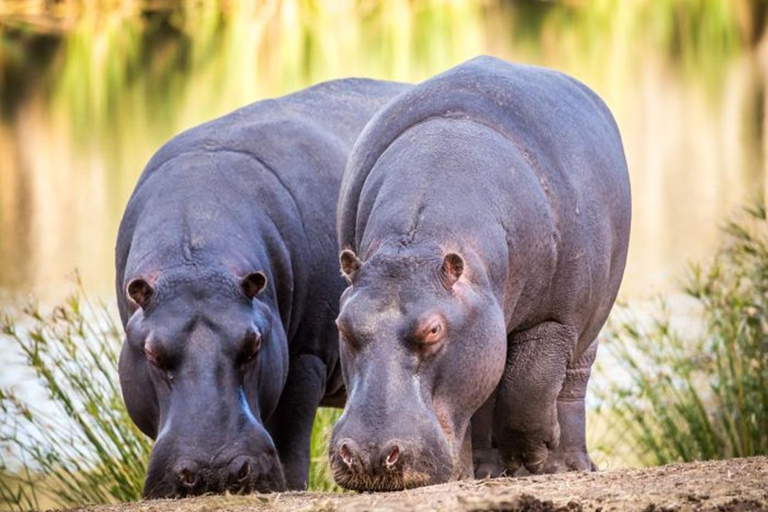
{"x": 484, "y": 221}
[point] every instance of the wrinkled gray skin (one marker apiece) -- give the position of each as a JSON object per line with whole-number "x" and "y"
{"x": 485, "y": 218}
{"x": 228, "y": 285}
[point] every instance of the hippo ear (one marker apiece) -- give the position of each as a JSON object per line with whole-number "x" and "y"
{"x": 350, "y": 264}
{"x": 139, "y": 291}
{"x": 253, "y": 283}
{"x": 451, "y": 269}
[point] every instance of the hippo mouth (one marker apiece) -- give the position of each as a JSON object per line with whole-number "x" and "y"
{"x": 382, "y": 483}
{"x": 249, "y": 476}
{"x": 408, "y": 473}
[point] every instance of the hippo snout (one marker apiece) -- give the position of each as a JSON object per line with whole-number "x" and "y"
{"x": 190, "y": 476}
{"x": 392, "y": 465}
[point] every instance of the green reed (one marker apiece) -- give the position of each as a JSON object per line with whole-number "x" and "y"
{"x": 699, "y": 392}
{"x": 320, "y": 476}
{"x": 75, "y": 443}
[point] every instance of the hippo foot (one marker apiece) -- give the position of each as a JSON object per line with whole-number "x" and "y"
{"x": 563, "y": 461}
{"x": 530, "y": 449}
{"x": 488, "y": 464}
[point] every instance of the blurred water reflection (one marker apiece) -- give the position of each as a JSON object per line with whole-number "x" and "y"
{"x": 89, "y": 90}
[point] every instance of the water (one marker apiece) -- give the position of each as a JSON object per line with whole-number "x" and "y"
{"x": 87, "y": 94}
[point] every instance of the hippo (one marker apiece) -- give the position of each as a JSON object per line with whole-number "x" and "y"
{"x": 228, "y": 287}
{"x": 483, "y": 223}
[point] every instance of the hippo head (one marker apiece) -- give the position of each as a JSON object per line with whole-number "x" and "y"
{"x": 422, "y": 348}
{"x": 204, "y": 360}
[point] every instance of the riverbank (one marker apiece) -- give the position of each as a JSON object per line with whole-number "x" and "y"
{"x": 733, "y": 485}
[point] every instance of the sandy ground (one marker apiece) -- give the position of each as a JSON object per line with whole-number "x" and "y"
{"x": 724, "y": 486}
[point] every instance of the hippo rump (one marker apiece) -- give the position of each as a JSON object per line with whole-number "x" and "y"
{"x": 484, "y": 220}
{"x": 228, "y": 285}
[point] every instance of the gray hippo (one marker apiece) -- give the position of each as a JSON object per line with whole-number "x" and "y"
{"x": 228, "y": 287}
{"x": 484, "y": 219}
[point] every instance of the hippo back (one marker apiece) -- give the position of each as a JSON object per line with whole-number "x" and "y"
{"x": 540, "y": 111}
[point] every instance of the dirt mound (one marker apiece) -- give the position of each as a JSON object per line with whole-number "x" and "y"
{"x": 735, "y": 485}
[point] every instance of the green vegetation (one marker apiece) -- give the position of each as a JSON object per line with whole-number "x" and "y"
{"x": 320, "y": 477}
{"x": 76, "y": 444}
{"x": 79, "y": 446}
{"x": 699, "y": 391}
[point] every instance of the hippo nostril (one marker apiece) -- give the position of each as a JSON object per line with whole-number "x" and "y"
{"x": 394, "y": 454}
{"x": 390, "y": 455}
{"x": 187, "y": 475}
{"x": 346, "y": 454}
{"x": 241, "y": 471}
{"x": 244, "y": 471}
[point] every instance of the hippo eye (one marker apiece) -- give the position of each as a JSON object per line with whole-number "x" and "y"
{"x": 346, "y": 334}
{"x": 154, "y": 358}
{"x": 251, "y": 346}
{"x": 151, "y": 356}
{"x": 434, "y": 332}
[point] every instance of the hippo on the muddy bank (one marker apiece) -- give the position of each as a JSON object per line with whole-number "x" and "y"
{"x": 484, "y": 219}
{"x": 228, "y": 285}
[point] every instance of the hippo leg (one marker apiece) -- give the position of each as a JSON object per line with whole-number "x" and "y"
{"x": 291, "y": 424}
{"x": 465, "y": 466}
{"x": 571, "y": 454}
{"x": 484, "y": 453}
{"x": 525, "y": 419}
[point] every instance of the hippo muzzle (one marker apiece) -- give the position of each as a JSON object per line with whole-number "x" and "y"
{"x": 246, "y": 464}
{"x": 391, "y": 465}
{"x": 392, "y": 442}
{"x": 212, "y": 448}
